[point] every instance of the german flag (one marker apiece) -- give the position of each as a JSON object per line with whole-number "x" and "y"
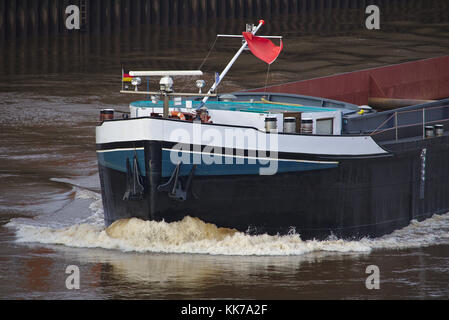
{"x": 125, "y": 76}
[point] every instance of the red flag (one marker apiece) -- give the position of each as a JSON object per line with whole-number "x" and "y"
{"x": 262, "y": 48}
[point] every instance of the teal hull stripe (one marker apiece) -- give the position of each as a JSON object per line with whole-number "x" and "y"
{"x": 231, "y": 165}
{"x": 116, "y": 159}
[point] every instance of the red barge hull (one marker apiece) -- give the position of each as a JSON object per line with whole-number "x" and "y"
{"x": 419, "y": 80}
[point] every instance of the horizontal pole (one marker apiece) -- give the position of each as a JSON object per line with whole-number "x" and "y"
{"x": 121, "y": 111}
{"x": 389, "y": 103}
{"x": 240, "y": 36}
{"x": 177, "y": 94}
{"x": 166, "y": 73}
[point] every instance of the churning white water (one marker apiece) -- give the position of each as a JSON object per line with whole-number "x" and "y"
{"x": 191, "y": 235}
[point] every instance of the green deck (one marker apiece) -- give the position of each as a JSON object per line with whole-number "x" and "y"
{"x": 243, "y": 106}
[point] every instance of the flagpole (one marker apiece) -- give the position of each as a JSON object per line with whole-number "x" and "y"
{"x": 225, "y": 71}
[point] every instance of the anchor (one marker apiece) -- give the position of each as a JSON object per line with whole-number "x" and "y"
{"x": 174, "y": 186}
{"x": 134, "y": 186}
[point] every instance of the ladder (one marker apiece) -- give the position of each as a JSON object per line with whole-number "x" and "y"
{"x": 84, "y": 6}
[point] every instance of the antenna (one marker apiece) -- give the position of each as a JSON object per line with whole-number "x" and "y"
{"x": 226, "y": 69}
{"x": 165, "y": 84}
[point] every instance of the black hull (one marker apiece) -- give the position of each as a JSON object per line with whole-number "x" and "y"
{"x": 367, "y": 197}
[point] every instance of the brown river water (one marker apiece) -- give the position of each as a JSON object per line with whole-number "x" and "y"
{"x": 51, "y": 91}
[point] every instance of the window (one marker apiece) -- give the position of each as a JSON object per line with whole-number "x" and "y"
{"x": 325, "y": 126}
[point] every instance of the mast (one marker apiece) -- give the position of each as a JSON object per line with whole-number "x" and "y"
{"x": 225, "y": 71}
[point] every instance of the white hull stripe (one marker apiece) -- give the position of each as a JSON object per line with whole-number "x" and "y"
{"x": 248, "y": 157}
{"x": 223, "y": 155}
{"x": 169, "y": 131}
{"x": 120, "y": 149}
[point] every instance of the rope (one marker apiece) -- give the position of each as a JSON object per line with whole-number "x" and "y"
{"x": 204, "y": 60}
{"x": 381, "y": 125}
{"x": 208, "y": 54}
{"x": 263, "y": 100}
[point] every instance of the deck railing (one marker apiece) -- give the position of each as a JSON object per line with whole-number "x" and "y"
{"x": 412, "y": 123}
